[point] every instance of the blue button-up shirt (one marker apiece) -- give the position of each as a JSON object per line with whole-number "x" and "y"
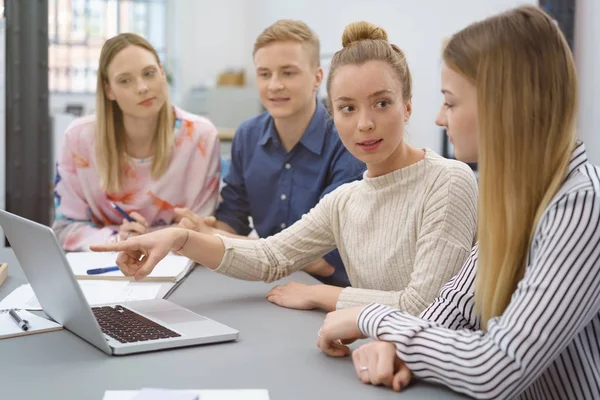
{"x": 276, "y": 187}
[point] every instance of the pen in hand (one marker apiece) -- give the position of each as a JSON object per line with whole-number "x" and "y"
{"x": 22, "y": 323}
{"x": 97, "y": 271}
{"x": 122, "y": 212}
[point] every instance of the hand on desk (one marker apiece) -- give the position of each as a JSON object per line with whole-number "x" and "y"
{"x": 293, "y": 295}
{"x": 300, "y": 296}
{"x": 339, "y": 329}
{"x": 376, "y": 363}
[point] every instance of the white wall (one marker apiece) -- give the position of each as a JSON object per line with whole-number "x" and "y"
{"x": 210, "y": 36}
{"x": 587, "y": 57}
{"x": 59, "y": 102}
{"x": 416, "y": 27}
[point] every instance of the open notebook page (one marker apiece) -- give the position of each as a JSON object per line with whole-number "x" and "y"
{"x": 8, "y": 327}
{"x": 95, "y": 292}
{"x": 172, "y": 267}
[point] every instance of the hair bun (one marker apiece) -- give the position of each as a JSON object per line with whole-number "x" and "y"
{"x": 362, "y": 30}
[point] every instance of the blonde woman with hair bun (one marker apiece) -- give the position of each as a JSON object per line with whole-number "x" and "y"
{"x": 522, "y": 317}
{"x": 402, "y": 231}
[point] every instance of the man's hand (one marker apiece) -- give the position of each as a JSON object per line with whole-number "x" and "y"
{"x": 319, "y": 267}
{"x": 188, "y": 220}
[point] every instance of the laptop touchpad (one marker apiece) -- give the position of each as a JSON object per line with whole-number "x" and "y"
{"x": 175, "y": 316}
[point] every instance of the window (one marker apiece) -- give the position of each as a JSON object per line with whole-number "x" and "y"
{"x": 77, "y": 30}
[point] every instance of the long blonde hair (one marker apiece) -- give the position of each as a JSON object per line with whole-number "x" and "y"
{"x": 362, "y": 42}
{"x": 524, "y": 74}
{"x": 110, "y": 133}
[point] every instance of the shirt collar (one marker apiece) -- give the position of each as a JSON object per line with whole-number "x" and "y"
{"x": 314, "y": 136}
{"x": 578, "y": 158}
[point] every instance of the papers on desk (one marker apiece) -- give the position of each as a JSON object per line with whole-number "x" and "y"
{"x": 166, "y": 394}
{"x": 96, "y": 292}
{"x": 9, "y": 328}
{"x": 171, "y": 268}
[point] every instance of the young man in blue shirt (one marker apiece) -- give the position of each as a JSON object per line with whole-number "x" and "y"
{"x": 286, "y": 159}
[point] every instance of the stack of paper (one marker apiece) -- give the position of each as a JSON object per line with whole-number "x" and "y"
{"x": 171, "y": 268}
{"x": 166, "y": 394}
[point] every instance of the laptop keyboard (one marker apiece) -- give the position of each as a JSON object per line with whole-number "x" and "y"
{"x": 127, "y": 326}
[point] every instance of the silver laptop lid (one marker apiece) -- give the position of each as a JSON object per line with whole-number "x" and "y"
{"x": 47, "y": 270}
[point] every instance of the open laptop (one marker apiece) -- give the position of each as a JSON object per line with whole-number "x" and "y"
{"x": 116, "y": 329}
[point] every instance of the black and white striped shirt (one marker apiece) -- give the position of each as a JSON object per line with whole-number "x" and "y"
{"x": 546, "y": 345}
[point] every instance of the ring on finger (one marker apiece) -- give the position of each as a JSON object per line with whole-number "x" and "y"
{"x": 319, "y": 333}
{"x": 363, "y": 368}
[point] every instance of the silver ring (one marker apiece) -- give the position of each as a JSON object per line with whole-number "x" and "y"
{"x": 319, "y": 333}
{"x": 128, "y": 235}
{"x": 363, "y": 369}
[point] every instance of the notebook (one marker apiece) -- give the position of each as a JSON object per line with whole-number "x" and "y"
{"x": 9, "y": 329}
{"x": 170, "y": 394}
{"x": 171, "y": 268}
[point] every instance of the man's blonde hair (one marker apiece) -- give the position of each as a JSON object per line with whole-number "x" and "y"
{"x": 292, "y": 30}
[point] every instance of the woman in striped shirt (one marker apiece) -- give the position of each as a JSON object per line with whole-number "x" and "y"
{"x": 521, "y": 319}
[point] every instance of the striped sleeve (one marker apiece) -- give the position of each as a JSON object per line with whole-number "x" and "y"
{"x": 558, "y": 296}
{"x": 454, "y": 308}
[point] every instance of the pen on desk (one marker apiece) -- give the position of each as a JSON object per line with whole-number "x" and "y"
{"x": 22, "y": 323}
{"x": 122, "y": 212}
{"x": 97, "y": 271}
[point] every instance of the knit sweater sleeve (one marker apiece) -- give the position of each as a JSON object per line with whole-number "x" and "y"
{"x": 277, "y": 256}
{"x": 444, "y": 240}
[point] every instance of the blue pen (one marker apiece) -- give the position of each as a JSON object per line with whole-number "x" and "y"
{"x": 122, "y": 212}
{"x": 97, "y": 271}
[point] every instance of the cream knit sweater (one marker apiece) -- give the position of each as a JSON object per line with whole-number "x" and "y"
{"x": 401, "y": 235}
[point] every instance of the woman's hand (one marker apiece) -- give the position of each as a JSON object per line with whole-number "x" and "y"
{"x": 376, "y": 363}
{"x": 339, "y": 329}
{"x": 139, "y": 255}
{"x": 305, "y": 297}
{"x": 129, "y": 229}
{"x": 293, "y": 295}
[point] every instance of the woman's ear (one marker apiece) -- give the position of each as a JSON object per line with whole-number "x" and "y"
{"x": 108, "y": 92}
{"x": 408, "y": 109}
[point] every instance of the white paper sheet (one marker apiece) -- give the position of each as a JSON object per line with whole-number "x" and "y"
{"x": 170, "y": 267}
{"x": 96, "y": 292}
{"x": 241, "y": 394}
{"x": 166, "y": 394}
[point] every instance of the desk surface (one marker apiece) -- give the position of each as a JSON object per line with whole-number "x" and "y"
{"x": 275, "y": 351}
